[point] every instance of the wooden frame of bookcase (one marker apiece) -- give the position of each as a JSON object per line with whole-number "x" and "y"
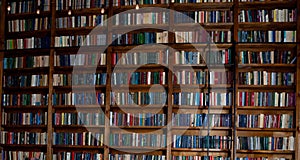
{"x": 110, "y": 11}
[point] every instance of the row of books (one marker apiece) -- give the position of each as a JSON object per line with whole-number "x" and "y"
{"x": 189, "y": 77}
{"x": 140, "y": 58}
{"x": 223, "y": 56}
{"x": 215, "y": 16}
{"x": 133, "y": 2}
{"x": 267, "y": 36}
{"x": 266, "y": 143}
{"x": 24, "y": 99}
{"x": 140, "y": 38}
{"x": 82, "y": 98}
{"x": 270, "y": 99}
{"x": 266, "y": 57}
{"x": 79, "y": 118}
{"x": 220, "y": 77}
{"x": 80, "y": 40}
{"x": 194, "y": 141}
{"x": 138, "y": 98}
{"x": 28, "y": 43}
{"x": 31, "y": 24}
{"x": 261, "y": 158}
{"x": 80, "y": 4}
{"x": 141, "y": 18}
{"x": 137, "y": 119}
{"x": 29, "y": 6}
{"x": 77, "y": 156}
{"x": 202, "y": 36}
{"x": 275, "y": 15}
{"x": 119, "y": 78}
{"x": 266, "y": 78}
{"x": 81, "y": 21}
{"x": 25, "y": 80}
{"x": 202, "y": 99}
{"x": 92, "y": 59}
{"x": 136, "y": 157}
{"x": 266, "y": 121}
{"x": 137, "y": 140}
{"x": 199, "y": 158}
{"x": 254, "y": 0}
{"x": 201, "y": 120}
{"x": 78, "y": 139}
{"x": 79, "y": 79}
{"x": 7, "y": 155}
{"x": 23, "y": 138}
{"x": 12, "y": 118}
{"x": 201, "y": 1}
{"x": 25, "y": 62}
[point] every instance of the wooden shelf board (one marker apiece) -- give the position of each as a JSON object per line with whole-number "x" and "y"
{"x": 202, "y": 6}
{"x": 200, "y": 26}
{"x": 199, "y": 150}
{"x": 119, "y": 9}
{"x": 267, "y": 25}
{"x": 28, "y": 34}
{"x": 26, "y": 52}
{"x": 80, "y": 147}
{"x": 199, "y": 128}
{"x": 267, "y": 5}
{"x": 266, "y": 129}
{"x": 265, "y": 152}
{"x": 142, "y": 27}
{"x": 264, "y": 108}
{"x": 28, "y": 15}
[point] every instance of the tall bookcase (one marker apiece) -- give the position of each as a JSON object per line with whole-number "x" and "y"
{"x": 236, "y": 98}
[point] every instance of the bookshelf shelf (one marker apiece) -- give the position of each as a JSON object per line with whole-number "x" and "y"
{"x": 25, "y": 34}
{"x": 77, "y": 147}
{"x": 267, "y": 5}
{"x": 267, "y": 129}
{"x": 74, "y": 31}
{"x": 205, "y": 104}
{"x": 265, "y": 152}
{"x": 199, "y": 150}
{"x": 206, "y": 26}
{"x": 202, "y": 6}
{"x": 268, "y": 25}
{"x": 27, "y": 15}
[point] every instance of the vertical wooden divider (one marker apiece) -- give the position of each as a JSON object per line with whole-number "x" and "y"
{"x": 171, "y": 40}
{"x": 108, "y": 81}
{"x": 297, "y": 121}
{"x": 2, "y": 47}
{"x": 50, "y": 79}
{"x": 235, "y": 73}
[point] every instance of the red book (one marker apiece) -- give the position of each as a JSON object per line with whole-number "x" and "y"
{"x": 113, "y": 60}
{"x": 226, "y": 57}
{"x": 73, "y": 155}
{"x": 248, "y": 98}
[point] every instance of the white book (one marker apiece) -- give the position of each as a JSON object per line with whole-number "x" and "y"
{"x": 261, "y": 120}
{"x": 291, "y": 143}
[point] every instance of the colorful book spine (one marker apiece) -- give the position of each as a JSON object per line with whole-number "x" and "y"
{"x": 78, "y": 139}
{"x": 195, "y": 141}
{"x": 137, "y": 140}
{"x": 93, "y": 59}
{"x": 79, "y": 118}
{"x": 137, "y": 119}
{"x": 24, "y": 99}
{"x": 266, "y": 121}
{"x": 37, "y": 138}
{"x": 32, "y": 118}
{"x": 266, "y": 143}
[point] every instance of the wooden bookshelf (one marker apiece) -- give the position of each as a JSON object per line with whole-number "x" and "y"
{"x": 206, "y": 112}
